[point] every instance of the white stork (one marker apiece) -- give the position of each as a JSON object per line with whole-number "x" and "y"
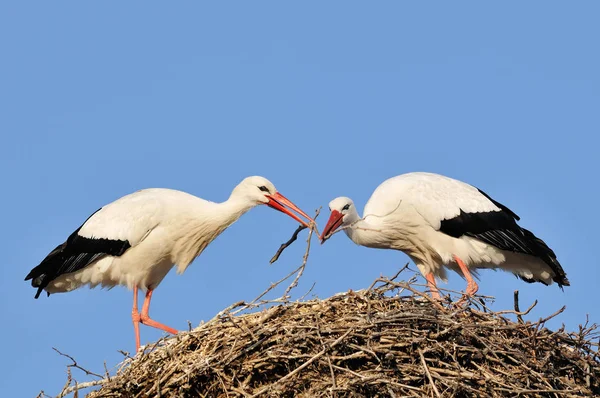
{"x": 439, "y": 221}
{"x": 137, "y": 239}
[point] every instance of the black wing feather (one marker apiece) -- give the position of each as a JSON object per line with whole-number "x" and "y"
{"x": 76, "y": 253}
{"x": 500, "y": 205}
{"x": 500, "y": 229}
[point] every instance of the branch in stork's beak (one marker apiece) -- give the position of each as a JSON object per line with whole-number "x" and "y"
{"x": 279, "y": 202}
{"x": 335, "y": 221}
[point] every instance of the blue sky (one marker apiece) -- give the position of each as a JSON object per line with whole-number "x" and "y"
{"x": 99, "y": 99}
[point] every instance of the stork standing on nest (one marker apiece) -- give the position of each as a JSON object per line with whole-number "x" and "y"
{"x": 439, "y": 221}
{"x": 137, "y": 239}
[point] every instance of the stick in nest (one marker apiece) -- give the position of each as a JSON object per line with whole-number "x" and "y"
{"x": 76, "y": 365}
{"x": 428, "y": 373}
{"x": 68, "y": 388}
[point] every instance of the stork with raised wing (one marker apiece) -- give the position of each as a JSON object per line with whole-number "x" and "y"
{"x": 137, "y": 239}
{"x": 442, "y": 222}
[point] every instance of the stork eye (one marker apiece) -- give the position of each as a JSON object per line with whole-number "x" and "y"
{"x": 347, "y": 207}
{"x": 264, "y": 189}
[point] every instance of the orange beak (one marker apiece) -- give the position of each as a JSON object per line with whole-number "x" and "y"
{"x": 335, "y": 220}
{"x": 279, "y": 202}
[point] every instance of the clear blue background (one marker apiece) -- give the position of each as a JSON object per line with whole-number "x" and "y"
{"x": 99, "y": 99}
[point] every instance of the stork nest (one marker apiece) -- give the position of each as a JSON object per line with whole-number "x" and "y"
{"x": 387, "y": 341}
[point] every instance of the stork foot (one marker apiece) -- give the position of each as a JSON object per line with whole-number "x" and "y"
{"x": 146, "y": 320}
{"x": 435, "y": 293}
{"x": 472, "y": 286}
{"x": 144, "y": 317}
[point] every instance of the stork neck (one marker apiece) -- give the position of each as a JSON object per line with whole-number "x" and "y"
{"x": 212, "y": 219}
{"x": 232, "y": 209}
{"x": 363, "y": 233}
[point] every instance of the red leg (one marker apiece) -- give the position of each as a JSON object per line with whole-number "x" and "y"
{"x": 471, "y": 284}
{"x": 145, "y": 318}
{"x": 435, "y": 293}
{"x": 135, "y": 317}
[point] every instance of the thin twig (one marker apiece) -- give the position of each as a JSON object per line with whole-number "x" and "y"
{"x": 81, "y": 386}
{"x": 286, "y": 244}
{"x": 517, "y": 311}
{"x": 546, "y": 319}
{"x": 307, "y": 293}
{"x": 106, "y": 372}
{"x": 76, "y": 365}
{"x": 244, "y": 306}
{"x": 516, "y": 305}
{"x": 437, "y": 393}
{"x": 304, "y": 261}
{"x": 333, "y": 383}
{"x": 68, "y": 383}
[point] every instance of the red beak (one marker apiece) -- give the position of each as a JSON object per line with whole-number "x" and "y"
{"x": 279, "y": 202}
{"x": 335, "y": 220}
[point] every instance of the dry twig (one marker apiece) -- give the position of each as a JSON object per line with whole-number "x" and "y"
{"x": 437, "y": 393}
{"x": 286, "y": 244}
{"x": 76, "y": 365}
{"x": 81, "y": 386}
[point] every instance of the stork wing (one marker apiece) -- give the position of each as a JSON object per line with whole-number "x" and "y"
{"x": 110, "y": 231}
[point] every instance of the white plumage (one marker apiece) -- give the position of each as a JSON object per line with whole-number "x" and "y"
{"x": 436, "y": 197}
{"x": 439, "y": 221}
{"x": 137, "y": 239}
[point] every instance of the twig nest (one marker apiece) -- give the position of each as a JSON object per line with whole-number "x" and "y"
{"x": 367, "y": 343}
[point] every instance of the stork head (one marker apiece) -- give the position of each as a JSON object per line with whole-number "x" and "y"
{"x": 260, "y": 191}
{"x": 343, "y": 213}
